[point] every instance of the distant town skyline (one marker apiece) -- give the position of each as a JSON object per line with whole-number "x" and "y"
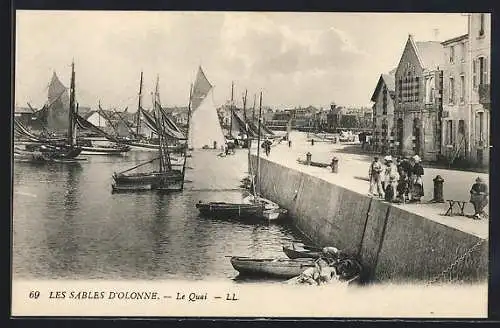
{"x": 295, "y": 59}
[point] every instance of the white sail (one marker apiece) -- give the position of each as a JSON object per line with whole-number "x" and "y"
{"x": 205, "y": 127}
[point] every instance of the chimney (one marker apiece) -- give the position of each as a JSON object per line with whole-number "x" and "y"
{"x": 436, "y": 34}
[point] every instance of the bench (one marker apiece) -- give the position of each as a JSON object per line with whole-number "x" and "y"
{"x": 460, "y": 203}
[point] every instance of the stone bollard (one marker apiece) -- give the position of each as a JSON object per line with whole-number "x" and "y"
{"x": 308, "y": 158}
{"x": 438, "y": 189}
{"x": 312, "y": 142}
{"x": 335, "y": 165}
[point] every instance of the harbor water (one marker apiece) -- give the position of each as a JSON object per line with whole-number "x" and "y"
{"x": 68, "y": 224}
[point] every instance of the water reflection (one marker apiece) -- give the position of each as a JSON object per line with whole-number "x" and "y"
{"x": 74, "y": 227}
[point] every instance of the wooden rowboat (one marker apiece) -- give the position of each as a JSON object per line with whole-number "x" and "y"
{"x": 230, "y": 210}
{"x": 293, "y": 253}
{"x": 280, "y": 268}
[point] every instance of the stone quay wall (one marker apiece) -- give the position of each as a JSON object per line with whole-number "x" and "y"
{"x": 392, "y": 243}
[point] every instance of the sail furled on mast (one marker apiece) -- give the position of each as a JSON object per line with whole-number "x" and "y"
{"x": 204, "y": 124}
{"x": 83, "y": 124}
{"x": 201, "y": 89}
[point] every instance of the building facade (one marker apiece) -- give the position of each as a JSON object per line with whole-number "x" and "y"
{"x": 455, "y": 120}
{"x": 479, "y": 28}
{"x": 418, "y": 100}
{"x": 383, "y": 114}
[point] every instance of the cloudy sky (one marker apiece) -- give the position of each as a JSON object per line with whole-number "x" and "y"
{"x": 296, "y": 59}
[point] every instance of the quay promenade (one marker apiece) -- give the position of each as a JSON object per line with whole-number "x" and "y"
{"x": 353, "y": 174}
{"x": 395, "y": 242}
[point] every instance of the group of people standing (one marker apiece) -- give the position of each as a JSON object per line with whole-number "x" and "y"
{"x": 397, "y": 181}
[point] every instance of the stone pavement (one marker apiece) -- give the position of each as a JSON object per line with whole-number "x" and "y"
{"x": 353, "y": 175}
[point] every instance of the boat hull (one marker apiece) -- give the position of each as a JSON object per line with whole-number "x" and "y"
{"x": 105, "y": 150}
{"x": 271, "y": 268}
{"x": 46, "y": 153}
{"x": 229, "y": 210}
{"x": 153, "y": 147}
{"x": 165, "y": 181}
{"x": 298, "y": 254}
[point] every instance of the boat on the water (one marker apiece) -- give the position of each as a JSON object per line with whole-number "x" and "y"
{"x": 251, "y": 207}
{"x": 169, "y": 176}
{"x": 46, "y": 153}
{"x": 267, "y": 267}
{"x": 88, "y": 148}
{"x": 230, "y": 210}
{"x": 296, "y": 253}
{"x": 46, "y": 149}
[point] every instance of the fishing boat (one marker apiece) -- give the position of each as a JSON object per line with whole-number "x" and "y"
{"x": 271, "y": 211}
{"x": 230, "y": 210}
{"x": 88, "y": 148}
{"x": 166, "y": 177}
{"x": 296, "y": 253}
{"x": 268, "y": 267}
{"x": 39, "y": 153}
{"x": 45, "y": 149}
{"x": 251, "y": 207}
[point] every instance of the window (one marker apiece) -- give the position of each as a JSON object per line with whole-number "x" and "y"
{"x": 461, "y": 127}
{"x": 452, "y": 53}
{"x": 481, "y": 126}
{"x": 483, "y": 73}
{"x": 452, "y": 90}
{"x": 462, "y": 51}
{"x": 400, "y": 90}
{"x": 481, "y": 24}
{"x": 462, "y": 88}
{"x": 384, "y": 101}
{"x": 416, "y": 86}
{"x": 429, "y": 90}
{"x": 449, "y": 132}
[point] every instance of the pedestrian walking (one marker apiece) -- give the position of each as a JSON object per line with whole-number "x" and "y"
{"x": 289, "y": 143}
{"x": 417, "y": 185}
{"x": 479, "y": 197}
{"x": 374, "y": 174}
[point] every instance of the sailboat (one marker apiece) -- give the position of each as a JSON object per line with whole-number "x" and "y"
{"x": 74, "y": 121}
{"x": 141, "y": 142}
{"x": 168, "y": 177}
{"x": 252, "y": 206}
{"x": 46, "y": 150}
{"x": 271, "y": 210}
{"x": 205, "y": 131}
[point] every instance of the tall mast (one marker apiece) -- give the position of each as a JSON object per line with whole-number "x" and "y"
{"x": 187, "y": 139}
{"x": 71, "y": 138}
{"x": 139, "y": 106}
{"x": 165, "y": 157}
{"x": 231, "y": 111}
{"x": 245, "y": 106}
{"x": 253, "y": 110}
{"x": 258, "y": 141}
{"x": 189, "y": 112}
{"x": 156, "y": 113}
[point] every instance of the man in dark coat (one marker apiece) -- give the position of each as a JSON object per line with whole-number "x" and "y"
{"x": 479, "y": 197}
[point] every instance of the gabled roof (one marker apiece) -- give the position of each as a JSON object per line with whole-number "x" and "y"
{"x": 431, "y": 54}
{"x": 89, "y": 114}
{"x": 455, "y": 39}
{"x": 390, "y": 83}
